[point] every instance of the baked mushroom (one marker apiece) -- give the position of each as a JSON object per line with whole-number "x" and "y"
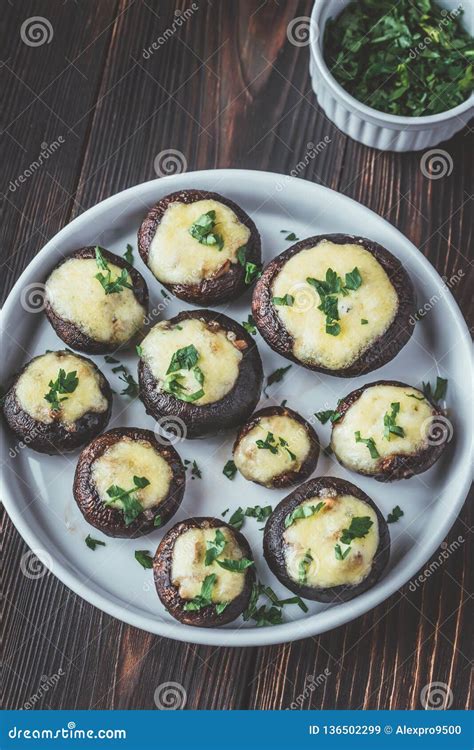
{"x": 127, "y": 483}
{"x": 388, "y": 430}
{"x": 335, "y": 303}
{"x": 327, "y": 541}
{"x": 199, "y": 373}
{"x": 276, "y": 447}
{"x": 58, "y": 402}
{"x": 201, "y": 246}
{"x": 204, "y": 572}
{"x": 95, "y": 300}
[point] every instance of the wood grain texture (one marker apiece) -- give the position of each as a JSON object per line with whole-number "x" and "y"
{"x": 226, "y": 89}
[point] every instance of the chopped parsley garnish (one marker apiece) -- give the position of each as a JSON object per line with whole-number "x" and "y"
{"x": 131, "y": 388}
{"x": 111, "y": 360}
{"x": 139, "y": 350}
{"x": 389, "y": 426}
{"x": 196, "y": 472}
{"x": 221, "y": 606}
{"x": 303, "y": 511}
{"x": 328, "y": 289}
{"x": 249, "y": 325}
{"x": 126, "y": 499}
{"x": 359, "y": 527}
{"x": 215, "y": 547}
{"x": 252, "y": 270}
{"x": 237, "y": 519}
{"x": 128, "y": 254}
{"x": 291, "y": 236}
{"x": 93, "y": 543}
{"x": 230, "y": 469}
{"x": 340, "y": 555}
{"x": 64, "y": 384}
{"x": 439, "y": 390}
{"x": 259, "y": 512}
{"x": 395, "y": 514}
{"x": 303, "y": 566}
{"x": 287, "y": 300}
{"x": 413, "y": 395}
{"x": 273, "y": 446}
{"x": 329, "y": 414}
{"x": 203, "y": 231}
{"x": 166, "y": 296}
{"x": 144, "y": 558}
{"x": 276, "y": 377}
{"x": 272, "y": 614}
{"x": 109, "y": 285}
{"x": 204, "y": 598}
{"x": 369, "y": 442}
{"x": 235, "y": 566}
{"x": 406, "y": 58}
{"x": 363, "y": 322}
{"x": 157, "y": 521}
{"x": 183, "y": 359}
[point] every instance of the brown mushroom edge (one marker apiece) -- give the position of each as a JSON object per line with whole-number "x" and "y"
{"x": 273, "y": 548}
{"x": 381, "y": 351}
{"x": 69, "y": 332}
{"x": 109, "y": 520}
{"x": 54, "y": 438}
{"x": 224, "y": 414}
{"x": 288, "y": 478}
{"x": 227, "y": 283}
{"x": 397, "y": 466}
{"x": 168, "y": 594}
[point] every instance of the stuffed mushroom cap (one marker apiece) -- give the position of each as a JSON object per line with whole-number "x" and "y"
{"x": 201, "y": 246}
{"x": 389, "y": 430}
{"x": 129, "y": 483}
{"x": 200, "y": 369}
{"x": 276, "y": 448}
{"x": 327, "y": 540}
{"x": 204, "y": 572}
{"x": 338, "y": 304}
{"x": 58, "y": 402}
{"x": 95, "y": 300}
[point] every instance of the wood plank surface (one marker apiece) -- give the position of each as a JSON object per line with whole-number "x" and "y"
{"x": 226, "y": 89}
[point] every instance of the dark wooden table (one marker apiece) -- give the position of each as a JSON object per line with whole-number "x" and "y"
{"x": 226, "y": 89}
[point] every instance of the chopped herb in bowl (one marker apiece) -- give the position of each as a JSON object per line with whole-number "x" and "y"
{"x": 411, "y": 58}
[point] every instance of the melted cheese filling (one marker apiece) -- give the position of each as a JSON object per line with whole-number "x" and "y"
{"x": 78, "y": 297}
{"x": 260, "y": 464}
{"x": 126, "y": 459}
{"x": 318, "y": 535}
{"x": 375, "y": 301}
{"x": 219, "y": 360}
{"x": 188, "y": 570}
{"x": 366, "y": 415}
{"x": 33, "y": 384}
{"x": 177, "y": 258}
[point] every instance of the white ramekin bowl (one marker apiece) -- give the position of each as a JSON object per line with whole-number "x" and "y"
{"x": 369, "y": 126}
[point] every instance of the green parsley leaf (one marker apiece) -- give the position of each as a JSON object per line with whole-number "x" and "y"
{"x": 276, "y": 377}
{"x": 291, "y": 237}
{"x": 359, "y": 527}
{"x": 353, "y": 279}
{"x": 109, "y": 285}
{"x": 412, "y": 395}
{"x": 287, "y": 300}
{"x": 369, "y": 442}
{"x": 221, "y": 606}
{"x": 303, "y": 566}
{"x": 250, "y": 326}
{"x": 144, "y": 558}
{"x": 237, "y": 519}
{"x": 261, "y": 513}
{"x": 395, "y": 515}
{"x": 128, "y": 254}
{"x": 340, "y": 555}
{"x": 126, "y": 500}
{"x": 183, "y": 359}
{"x": 363, "y": 322}
{"x": 203, "y": 231}
{"x": 230, "y": 469}
{"x": 329, "y": 414}
{"x": 139, "y": 350}
{"x": 93, "y": 543}
{"x": 235, "y": 566}
{"x": 204, "y": 598}
{"x": 390, "y": 428}
{"x": 215, "y": 547}
{"x": 64, "y": 384}
{"x": 303, "y": 511}
{"x": 157, "y": 521}
{"x": 252, "y": 272}
{"x": 242, "y": 254}
{"x": 131, "y": 388}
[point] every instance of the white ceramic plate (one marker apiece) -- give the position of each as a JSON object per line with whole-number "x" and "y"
{"x": 38, "y": 493}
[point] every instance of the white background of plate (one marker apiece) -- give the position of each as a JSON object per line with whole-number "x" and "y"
{"x": 38, "y": 492}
